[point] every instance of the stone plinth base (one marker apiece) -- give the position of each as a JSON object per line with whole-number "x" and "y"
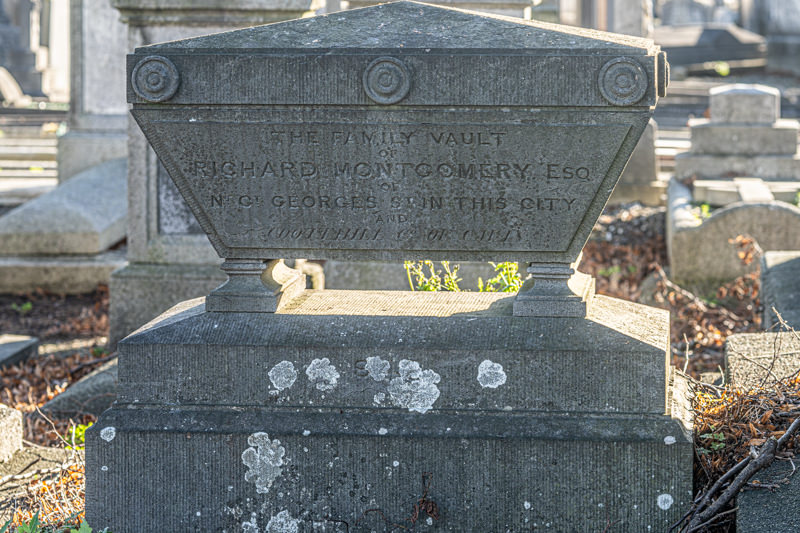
{"x": 345, "y": 409}
{"x": 64, "y": 274}
{"x": 140, "y": 292}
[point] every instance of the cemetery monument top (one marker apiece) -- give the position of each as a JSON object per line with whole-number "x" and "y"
{"x": 395, "y": 132}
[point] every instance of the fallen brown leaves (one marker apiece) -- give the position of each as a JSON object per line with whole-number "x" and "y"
{"x": 29, "y": 385}
{"x": 55, "y": 497}
{"x": 48, "y": 316}
{"x": 737, "y": 433}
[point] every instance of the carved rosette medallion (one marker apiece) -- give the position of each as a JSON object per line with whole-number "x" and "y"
{"x": 387, "y": 80}
{"x": 155, "y": 79}
{"x": 623, "y": 81}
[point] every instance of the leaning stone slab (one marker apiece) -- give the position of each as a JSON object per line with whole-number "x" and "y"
{"x": 780, "y": 287}
{"x": 85, "y": 215}
{"x": 16, "y": 348}
{"x": 92, "y": 394}
{"x": 10, "y": 432}
{"x": 761, "y": 359}
{"x": 728, "y": 191}
{"x": 698, "y": 249}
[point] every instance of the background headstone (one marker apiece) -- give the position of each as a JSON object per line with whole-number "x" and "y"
{"x": 169, "y": 256}
{"x": 10, "y": 432}
{"x": 97, "y": 108}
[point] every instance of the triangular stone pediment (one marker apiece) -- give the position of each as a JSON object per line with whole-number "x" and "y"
{"x": 413, "y": 26}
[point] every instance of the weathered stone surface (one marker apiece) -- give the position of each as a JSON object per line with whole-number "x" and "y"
{"x": 419, "y": 165}
{"x": 759, "y": 359}
{"x": 711, "y": 138}
{"x": 73, "y": 274}
{"x": 16, "y": 348}
{"x": 774, "y": 225}
{"x": 745, "y": 103}
{"x": 780, "y": 287}
{"x": 92, "y": 394}
{"x": 770, "y": 510}
{"x": 85, "y": 215}
{"x": 396, "y": 368}
{"x": 677, "y": 12}
{"x": 10, "y": 432}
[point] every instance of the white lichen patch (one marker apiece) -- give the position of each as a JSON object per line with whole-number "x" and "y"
{"x": 250, "y": 526}
{"x": 283, "y": 523}
{"x": 491, "y": 374}
{"x": 108, "y": 433}
{"x": 378, "y": 368}
{"x": 378, "y": 398}
{"x": 382, "y": 431}
{"x": 322, "y": 374}
{"x": 669, "y": 439}
{"x": 283, "y": 375}
{"x": 527, "y": 506}
{"x": 664, "y": 501}
{"x": 429, "y": 521}
{"x": 415, "y": 389}
{"x": 264, "y": 459}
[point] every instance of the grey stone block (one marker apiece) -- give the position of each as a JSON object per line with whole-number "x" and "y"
{"x": 774, "y": 225}
{"x": 761, "y": 510}
{"x": 342, "y": 402}
{"x": 711, "y": 138}
{"x": 85, "y": 215}
{"x": 745, "y": 104}
{"x": 758, "y": 359}
{"x": 140, "y": 292}
{"x": 79, "y": 151}
{"x": 92, "y": 394}
{"x": 63, "y": 274}
{"x": 780, "y": 287}
{"x": 768, "y": 167}
{"x": 16, "y": 348}
{"x": 10, "y": 432}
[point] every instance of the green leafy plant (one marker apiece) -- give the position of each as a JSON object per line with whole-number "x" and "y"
{"x": 33, "y": 526}
{"x": 606, "y": 272}
{"x": 432, "y": 280}
{"x": 23, "y": 309}
{"x": 715, "y": 442}
{"x": 722, "y": 68}
{"x": 77, "y": 439}
{"x": 507, "y": 278}
{"x": 98, "y": 351}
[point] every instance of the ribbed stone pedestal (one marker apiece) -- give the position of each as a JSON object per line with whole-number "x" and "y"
{"x": 356, "y": 410}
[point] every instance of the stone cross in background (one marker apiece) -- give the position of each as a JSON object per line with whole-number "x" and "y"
{"x": 394, "y": 132}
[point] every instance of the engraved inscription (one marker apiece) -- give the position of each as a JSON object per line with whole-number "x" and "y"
{"x": 457, "y": 187}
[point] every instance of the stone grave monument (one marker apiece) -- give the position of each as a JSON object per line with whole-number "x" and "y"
{"x": 269, "y": 407}
{"x": 744, "y": 160}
